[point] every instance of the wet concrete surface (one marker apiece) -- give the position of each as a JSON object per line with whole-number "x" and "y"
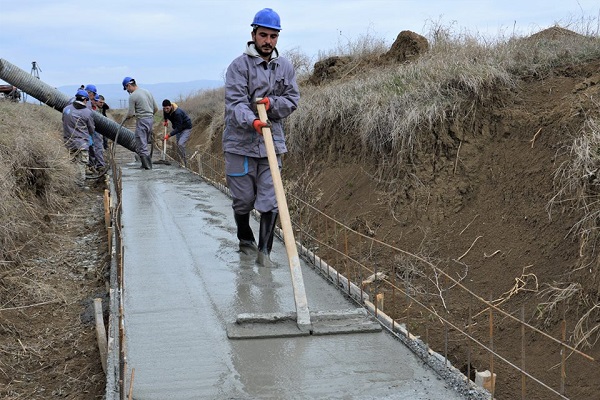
{"x": 185, "y": 280}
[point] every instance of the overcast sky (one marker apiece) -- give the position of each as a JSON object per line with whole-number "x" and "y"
{"x": 80, "y": 42}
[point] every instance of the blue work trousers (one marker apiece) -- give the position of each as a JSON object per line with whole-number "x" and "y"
{"x": 251, "y": 183}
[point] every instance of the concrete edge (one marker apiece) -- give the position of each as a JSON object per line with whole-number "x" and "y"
{"x": 113, "y": 376}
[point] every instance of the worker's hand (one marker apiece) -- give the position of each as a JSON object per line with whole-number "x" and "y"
{"x": 165, "y": 123}
{"x": 265, "y": 101}
{"x": 258, "y": 125}
{"x": 167, "y": 136}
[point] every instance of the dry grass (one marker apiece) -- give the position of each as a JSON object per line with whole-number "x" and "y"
{"x": 577, "y": 183}
{"x": 35, "y": 173}
{"x": 49, "y": 240}
{"x": 392, "y": 109}
{"x": 207, "y": 111}
{"x": 209, "y": 101}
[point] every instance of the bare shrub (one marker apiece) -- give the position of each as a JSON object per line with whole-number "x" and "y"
{"x": 587, "y": 330}
{"x": 302, "y": 62}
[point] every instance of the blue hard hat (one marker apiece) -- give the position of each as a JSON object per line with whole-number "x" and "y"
{"x": 82, "y": 93}
{"x": 91, "y": 88}
{"x": 127, "y": 80}
{"x": 97, "y": 97}
{"x": 267, "y": 18}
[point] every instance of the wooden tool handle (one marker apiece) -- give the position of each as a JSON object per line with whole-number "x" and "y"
{"x": 302, "y": 311}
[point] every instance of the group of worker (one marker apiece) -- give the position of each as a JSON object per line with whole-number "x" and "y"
{"x": 259, "y": 76}
{"x": 80, "y": 137}
{"x": 142, "y": 106}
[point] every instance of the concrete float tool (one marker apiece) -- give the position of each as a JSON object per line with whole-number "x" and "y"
{"x": 302, "y": 322}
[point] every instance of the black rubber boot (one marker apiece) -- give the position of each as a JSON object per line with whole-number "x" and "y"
{"x": 265, "y": 239}
{"x": 144, "y": 160}
{"x": 245, "y": 234}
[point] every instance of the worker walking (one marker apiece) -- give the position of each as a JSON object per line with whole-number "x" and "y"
{"x": 182, "y": 126}
{"x": 258, "y": 73}
{"x": 78, "y": 127}
{"x": 142, "y": 106}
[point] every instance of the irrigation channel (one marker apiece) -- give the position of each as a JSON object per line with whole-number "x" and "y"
{"x": 178, "y": 280}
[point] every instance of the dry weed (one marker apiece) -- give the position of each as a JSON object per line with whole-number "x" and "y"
{"x": 46, "y": 350}
{"x": 557, "y": 294}
{"x": 36, "y": 173}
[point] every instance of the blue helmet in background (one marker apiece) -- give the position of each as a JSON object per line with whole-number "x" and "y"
{"x": 126, "y": 81}
{"x": 91, "y": 88}
{"x": 81, "y": 94}
{"x": 267, "y": 18}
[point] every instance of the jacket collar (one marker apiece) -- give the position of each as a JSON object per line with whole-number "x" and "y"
{"x": 251, "y": 51}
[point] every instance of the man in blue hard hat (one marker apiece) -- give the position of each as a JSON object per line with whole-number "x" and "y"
{"x": 142, "y": 106}
{"x": 258, "y": 73}
{"x": 96, "y": 162}
{"x": 78, "y": 126}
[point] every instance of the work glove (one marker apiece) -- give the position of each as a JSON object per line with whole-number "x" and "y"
{"x": 165, "y": 123}
{"x": 167, "y": 136}
{"x": 265, "y": 101}
{"x": 258, "y": 125}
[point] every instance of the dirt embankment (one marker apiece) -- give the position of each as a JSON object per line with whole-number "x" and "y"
{"x": 53, "y": 261}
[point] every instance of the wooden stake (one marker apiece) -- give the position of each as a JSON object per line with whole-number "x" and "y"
{"x": 199, "y": 162}
{"x": 101, "y": 332}
{"x": 106, "y": 208}
{"x": 131, "y": 384}
{"x": 563, "y": 357}
{"x": 523, "y": 377}
{"x": 109, "y": 237}
{"x": 492, "y": 350}
{"x": 379, "y": 301}
{"x": 470, "y": 325}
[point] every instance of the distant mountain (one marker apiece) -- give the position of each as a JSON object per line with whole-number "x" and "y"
{"x": 116, "y": 97}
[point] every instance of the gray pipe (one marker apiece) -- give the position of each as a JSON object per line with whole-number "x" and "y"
{"x": 45, "y": 93}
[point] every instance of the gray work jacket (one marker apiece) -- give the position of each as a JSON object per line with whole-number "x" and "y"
{"x": 78, "y": 126}
{"x": 249, "y": 77}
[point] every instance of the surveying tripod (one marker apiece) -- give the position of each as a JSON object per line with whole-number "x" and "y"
{"x": 35, "y": 72}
